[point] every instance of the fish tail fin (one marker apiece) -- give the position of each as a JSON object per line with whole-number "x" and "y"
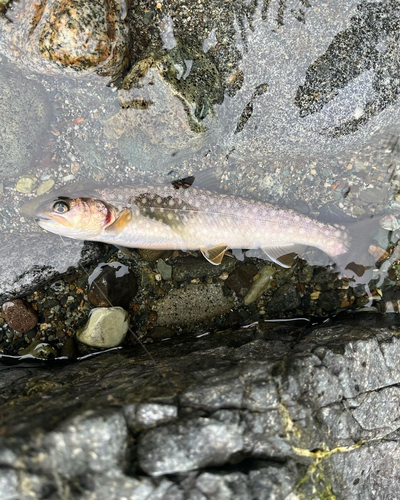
{"x": 358, "y": 263}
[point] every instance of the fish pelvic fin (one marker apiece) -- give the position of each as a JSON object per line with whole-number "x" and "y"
{"x": 214, "y": 255}
{"x": 274, "y": 253}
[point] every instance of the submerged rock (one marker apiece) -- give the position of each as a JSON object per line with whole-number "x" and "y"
{"x": 197, "y": 267}
{"x": 40, "y": 350}
{"x": 261, "y": 285}
{"x": 192, "y": 304}
{"x": 112, "y": 284}
{"x": 59, "y": 36}
{"x": 19, "y": 315}
{"x": 107, "y": 327}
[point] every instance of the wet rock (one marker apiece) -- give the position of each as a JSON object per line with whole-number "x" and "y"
{"x": 153, "y": 255}
{"x": 261, "y": 285}
{"x": 25, "y": 116}
{"x": 254, "y": 416}
{"x": 201, "y": 442}
{"x": 107, "y": 327}
{"x": 286, "y": 298}
{"x": 192, "y": 304}
{"x": 241, "y": 279}
{"x": 39, "y": 349}
{"x": 146, "y": 416}
{"x": 112, "y": 284}
{"x": 192, "y": 267}
{"x": 19, "y": 315}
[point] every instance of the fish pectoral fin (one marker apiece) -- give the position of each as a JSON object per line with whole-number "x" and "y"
{"x": 214, "y": 255}
{"x": 121, "y": 222}
{"x": 274, "y": 253}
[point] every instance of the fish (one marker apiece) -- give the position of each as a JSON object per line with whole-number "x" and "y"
{"x": 180, "y": 215}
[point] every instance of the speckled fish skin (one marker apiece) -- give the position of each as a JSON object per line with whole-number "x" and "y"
{"x": 163, "y": 217}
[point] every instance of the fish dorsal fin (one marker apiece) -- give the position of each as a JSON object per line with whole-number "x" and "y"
{"x": 209, "y": 179}
{"x": 214, "y": 255}
{"x": 184, "y": 183}
{"x": 121, "y": 222}
{"x": 273, "y": 253}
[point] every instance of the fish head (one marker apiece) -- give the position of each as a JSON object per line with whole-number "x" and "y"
{"x": 79, "y": 218}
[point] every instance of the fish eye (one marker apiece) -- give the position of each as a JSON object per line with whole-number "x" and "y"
{"x": 60, "y": 207}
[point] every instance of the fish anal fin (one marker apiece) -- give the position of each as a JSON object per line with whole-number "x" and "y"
{"x": 121, "y": 222}
{"x": 214, "y": 255}
{"x": 274, "y": 253}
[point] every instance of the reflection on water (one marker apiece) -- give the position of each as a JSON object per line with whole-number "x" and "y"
{"x": 297, "y": 105}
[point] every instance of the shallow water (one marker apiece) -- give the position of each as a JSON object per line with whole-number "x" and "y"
{"x": 296, "y": 104}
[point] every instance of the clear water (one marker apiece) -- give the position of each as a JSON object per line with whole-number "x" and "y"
{"x": 240, "y": 102}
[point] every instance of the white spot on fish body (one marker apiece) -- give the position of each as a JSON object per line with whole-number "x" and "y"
{"x": 170, "y": 216}
{"x": 152, "y": 210}
{"x": 159, "y": 200}
{"x": 171, "y": 202}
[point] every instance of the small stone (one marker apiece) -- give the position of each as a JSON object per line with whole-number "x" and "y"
{"x": 107, "y": 327}
{"x": 165, "y": 270}
{"x": 112, "y": 284}
{"x": 315, "y": 295}
{"x": 19, "y": 315}
{"x": 40, "y": 350}
{"x": 261, "y": 285}
{"x": 25, "y": 184}
{"x": 45, "y": 187}
{"x": 241, "y": 279}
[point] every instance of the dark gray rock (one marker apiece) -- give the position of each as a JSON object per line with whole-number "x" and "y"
{"x": 306, "y": 416}
{"x": 112, "y": 284}
{"x": 193, "y": 444}
{"x": 192, "y": 267}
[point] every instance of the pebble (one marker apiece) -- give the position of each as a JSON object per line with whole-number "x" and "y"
{"x": 25, "y": 184}
{"x": 261, "y": 285}
{"x": 107, "y": 327}
{"x": 112, "y": 284}
{"x": 19, "y": 315}
{"x": 165, "y": 270}
{"x": 45, "y": 187}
